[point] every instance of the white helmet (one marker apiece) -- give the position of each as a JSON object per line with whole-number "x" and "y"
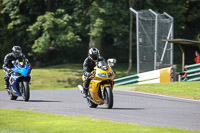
{"x": 94, "y": 53}
{"x": 17, "y": 51}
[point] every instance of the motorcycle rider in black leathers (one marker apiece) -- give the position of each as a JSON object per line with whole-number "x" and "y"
{"x": 16, "y": 54}
{"x": 88, "y": 67}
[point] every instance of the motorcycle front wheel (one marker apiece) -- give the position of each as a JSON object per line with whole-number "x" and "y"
{"x": 108, "y": 97}
{"x": 26, "y": 91}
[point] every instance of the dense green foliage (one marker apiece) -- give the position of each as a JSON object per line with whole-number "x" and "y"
{"x": 20, "y": 121}
{"x": 53, "y": 29}
{"x": 63, "y": 30}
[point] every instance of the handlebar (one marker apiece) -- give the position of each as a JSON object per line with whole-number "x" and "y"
{"x": 92, "y": 75}
{"x": 11, "y": 71}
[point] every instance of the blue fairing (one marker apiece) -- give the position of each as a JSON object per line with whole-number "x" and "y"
{"x": 14, "y": 85}
{"x": 14, "y": 79}
{"x": 23, "y": 70}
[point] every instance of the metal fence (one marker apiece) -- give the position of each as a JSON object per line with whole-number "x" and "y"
{"x": 151, "y": 29}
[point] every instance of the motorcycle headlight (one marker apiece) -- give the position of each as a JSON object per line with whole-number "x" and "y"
{"x": 110, "y": 74}
{"x": 103, "y": 75}
{"x": 17, "y": 74}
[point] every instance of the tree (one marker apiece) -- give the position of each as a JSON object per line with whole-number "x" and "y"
{"x": 103, "y": 18}
{"x": 37, "y": 25}
{"x": 17, "y": 16}
{"x": 131, "y": 3}
{"x": 53, "y": 29}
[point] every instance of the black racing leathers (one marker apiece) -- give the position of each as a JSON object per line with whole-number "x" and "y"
{"x": 8, "y": 65}
{"x": 88, "y": 67}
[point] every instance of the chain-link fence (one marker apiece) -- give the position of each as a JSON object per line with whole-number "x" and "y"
{"x": 152, "y": 28}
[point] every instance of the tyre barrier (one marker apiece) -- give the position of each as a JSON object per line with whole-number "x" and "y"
{"x": 157, "y": 76}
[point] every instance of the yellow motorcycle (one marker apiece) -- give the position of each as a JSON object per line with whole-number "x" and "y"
{"x": 101, "y": 86}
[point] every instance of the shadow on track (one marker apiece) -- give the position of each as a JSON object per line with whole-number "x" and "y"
{"x": 129, "y": 108}
{"x": 39, "y": 101}
{"x": 42, "y": 101}
{"x": 123, "y": 108}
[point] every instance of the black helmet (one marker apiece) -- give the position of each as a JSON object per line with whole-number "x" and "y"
{"x": 94, "y": 53}
{"x": 17, "y": 51}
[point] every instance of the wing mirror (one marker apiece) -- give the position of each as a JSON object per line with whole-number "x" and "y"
{"x": 111, "y": 62}
{"x": 13, "y": 62}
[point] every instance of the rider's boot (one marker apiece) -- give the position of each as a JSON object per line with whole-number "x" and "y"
{"x": 86, "y": 87}
{"x": 85, "y": 90}
{"x": 7, "y": 86}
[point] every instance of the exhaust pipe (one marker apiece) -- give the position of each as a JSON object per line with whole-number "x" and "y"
{"x": 80, "y": 87}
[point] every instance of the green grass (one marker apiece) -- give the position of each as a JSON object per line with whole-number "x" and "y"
{"x": 65, "y": 76}
{"x": 55, "y": 77}
{"x": 121, "y": 70}
{"x": 179, "y": 89}
{"x": 18, "y": 121}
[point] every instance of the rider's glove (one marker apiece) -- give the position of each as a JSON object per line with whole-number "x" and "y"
{"x": 94, "y": 73}
{"x": 9, "y": 71}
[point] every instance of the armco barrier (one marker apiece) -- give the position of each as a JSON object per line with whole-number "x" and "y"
{"x": 126, "y": 80}
{"x": 193, "y": 72}
{"x": 156, "y": 76}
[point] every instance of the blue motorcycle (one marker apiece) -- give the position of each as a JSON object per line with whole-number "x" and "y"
{"x": 19, "y": 80}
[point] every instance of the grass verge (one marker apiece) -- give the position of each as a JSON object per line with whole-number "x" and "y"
{"x": 55, "y": 77}
{"x": 18, "y": 121}
{"x": 63, "y": 76}
{"x": 179, "y": 89}
{"x": 67, "y": 76}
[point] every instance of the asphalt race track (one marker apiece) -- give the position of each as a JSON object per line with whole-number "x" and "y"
{"x": 143, "y": 109}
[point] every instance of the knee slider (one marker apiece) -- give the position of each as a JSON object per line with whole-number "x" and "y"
{"x": 6, "y": 78}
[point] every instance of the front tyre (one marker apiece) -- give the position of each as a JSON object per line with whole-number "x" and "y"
{"x": 26, "y": 91}
{"x": 108, "y": 97}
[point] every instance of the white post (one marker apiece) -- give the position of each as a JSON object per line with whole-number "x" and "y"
{"x": 172, "y": 36}
{"x": 137, "y": 36}
{"x": 168, "y": 36}
{"x": 156, "y": 36}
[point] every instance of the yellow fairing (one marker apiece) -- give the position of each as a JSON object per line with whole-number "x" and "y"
{"x": 96, "y": 81}
{"x": 94, "y": 91}
{"x": 98, "y": 71}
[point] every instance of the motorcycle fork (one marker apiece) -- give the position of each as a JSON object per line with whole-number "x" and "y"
{"x": 102, "y": 94}
{"x": 102, "y": 87}
{"x": 21, "y": 88}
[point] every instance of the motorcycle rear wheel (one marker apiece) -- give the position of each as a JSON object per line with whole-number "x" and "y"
{"x": 91, "y": 104}
{"x": 12, "y": 97}
{"x": 26, "y": 91}
{"x": 108, "y": 97}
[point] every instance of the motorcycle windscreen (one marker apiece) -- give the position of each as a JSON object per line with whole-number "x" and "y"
{"x": 23, "y": 70}
{"x": 102, "y": 65}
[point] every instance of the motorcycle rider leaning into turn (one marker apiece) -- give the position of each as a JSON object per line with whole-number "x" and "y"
{"x": 16, "y": 54}
{"x": 88, "y": 67}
